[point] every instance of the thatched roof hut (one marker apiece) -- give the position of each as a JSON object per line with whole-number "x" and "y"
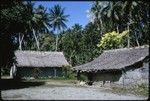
{"x": 115, "y": 59}
{"x": 40, "y": 59}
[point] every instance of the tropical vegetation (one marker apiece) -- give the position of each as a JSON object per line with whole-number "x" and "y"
{"x": 114, "y": 24}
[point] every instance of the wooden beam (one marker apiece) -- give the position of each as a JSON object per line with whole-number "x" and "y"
{"x": 55, "y": 72}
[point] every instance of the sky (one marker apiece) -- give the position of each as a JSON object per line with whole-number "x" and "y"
{"x": 76, "y": 9}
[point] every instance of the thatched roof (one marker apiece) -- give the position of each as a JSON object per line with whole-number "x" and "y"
{"x": 40, "y": 59}
{"x": 115, "y": 59}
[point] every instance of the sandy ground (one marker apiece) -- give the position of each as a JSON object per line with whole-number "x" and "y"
{"x": 47, "y": 92}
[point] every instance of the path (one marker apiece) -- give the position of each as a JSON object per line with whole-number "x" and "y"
{"x": 47, "y": 92}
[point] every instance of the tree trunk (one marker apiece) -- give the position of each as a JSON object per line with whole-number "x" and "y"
{"x": 128, "y": 37}
{"x": 56, "y": 42}
{"x": 78, "y": 75}
{"x": 20, "y": 41}
{"x": 37, "y": 42}
{"x": 46, "y": 26}
{"x": 136, "y": 38}
{"x": 117, "y": 29}
{"x": 101, "y": 24}
{"x": 70, "y": 60}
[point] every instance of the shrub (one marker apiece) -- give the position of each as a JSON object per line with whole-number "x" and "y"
{"x": 112, "y": 40}
{"x": 68, "y": 72}
{"x": 83, "y": 77}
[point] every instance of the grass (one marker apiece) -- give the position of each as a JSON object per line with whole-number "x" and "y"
{"x": 7, "y": 84}
{"x": 10, "y": 83}
{"x": 55, "y": 80}
{"x": 138, "y": 90}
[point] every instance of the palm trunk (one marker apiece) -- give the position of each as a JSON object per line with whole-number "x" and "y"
{"x": 101, "y": 24}
{"x": 37, "y": 42}
{"x": 46, "y": 26}
{"x": 56, "y": 41}
{"x": 137, "y": 42}
{"x": 128, "y": 37}
{"x": 117, "y": 29}
{"x": 19, "y": 42}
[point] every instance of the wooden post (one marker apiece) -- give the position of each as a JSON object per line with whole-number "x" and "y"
{"x": 123, "y": 73}
{"x": 90, "y": 78}
{"x": 78, "y": 75}
{"x": 103, "y": 82}
{"x": 55, "y": 71}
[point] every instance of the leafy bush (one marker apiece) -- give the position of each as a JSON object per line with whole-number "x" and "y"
{"x": 68, "y": 72}
{"x": 112, "y": 40}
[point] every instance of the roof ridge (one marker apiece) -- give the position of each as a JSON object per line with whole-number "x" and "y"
{"x": 39, "y": 51}
{"x": 40, "y": 59}
{"x": 119, "y": 49}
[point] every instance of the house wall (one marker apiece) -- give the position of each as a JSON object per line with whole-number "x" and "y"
{"x": 40, "y": 72}
{"x": 105, "y": 78}
{"x": 135, "y": 76}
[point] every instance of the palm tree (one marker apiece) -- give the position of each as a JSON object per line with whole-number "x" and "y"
{"x": 57, "y": 19}
{"x": 101, "y": 12}
{"x": 95, "y": 15}
{"x": 122, "y": 15}
{"x": 40, "y": 22}
{"x": 37, "y": 21}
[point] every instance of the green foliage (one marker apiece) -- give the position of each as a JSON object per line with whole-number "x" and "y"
{"x": 83, "y": 77}
{"x": 119, "y": 15}
{"x": 47, "y": 42}
{"x": 58, "y": 17}
{"x": 113, "y": 40}
{"x": 68, "y": 72}
{"x": 13, "y": 17}
{"x": 79, "y": 45}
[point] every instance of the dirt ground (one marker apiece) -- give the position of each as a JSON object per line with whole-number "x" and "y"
{"x": 54, "y": 91}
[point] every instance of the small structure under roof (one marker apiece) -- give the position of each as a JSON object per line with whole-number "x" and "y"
{"x": 40, "y": 63}
{"x": 125, "y": 66}
{"x": 115, "y": 59}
